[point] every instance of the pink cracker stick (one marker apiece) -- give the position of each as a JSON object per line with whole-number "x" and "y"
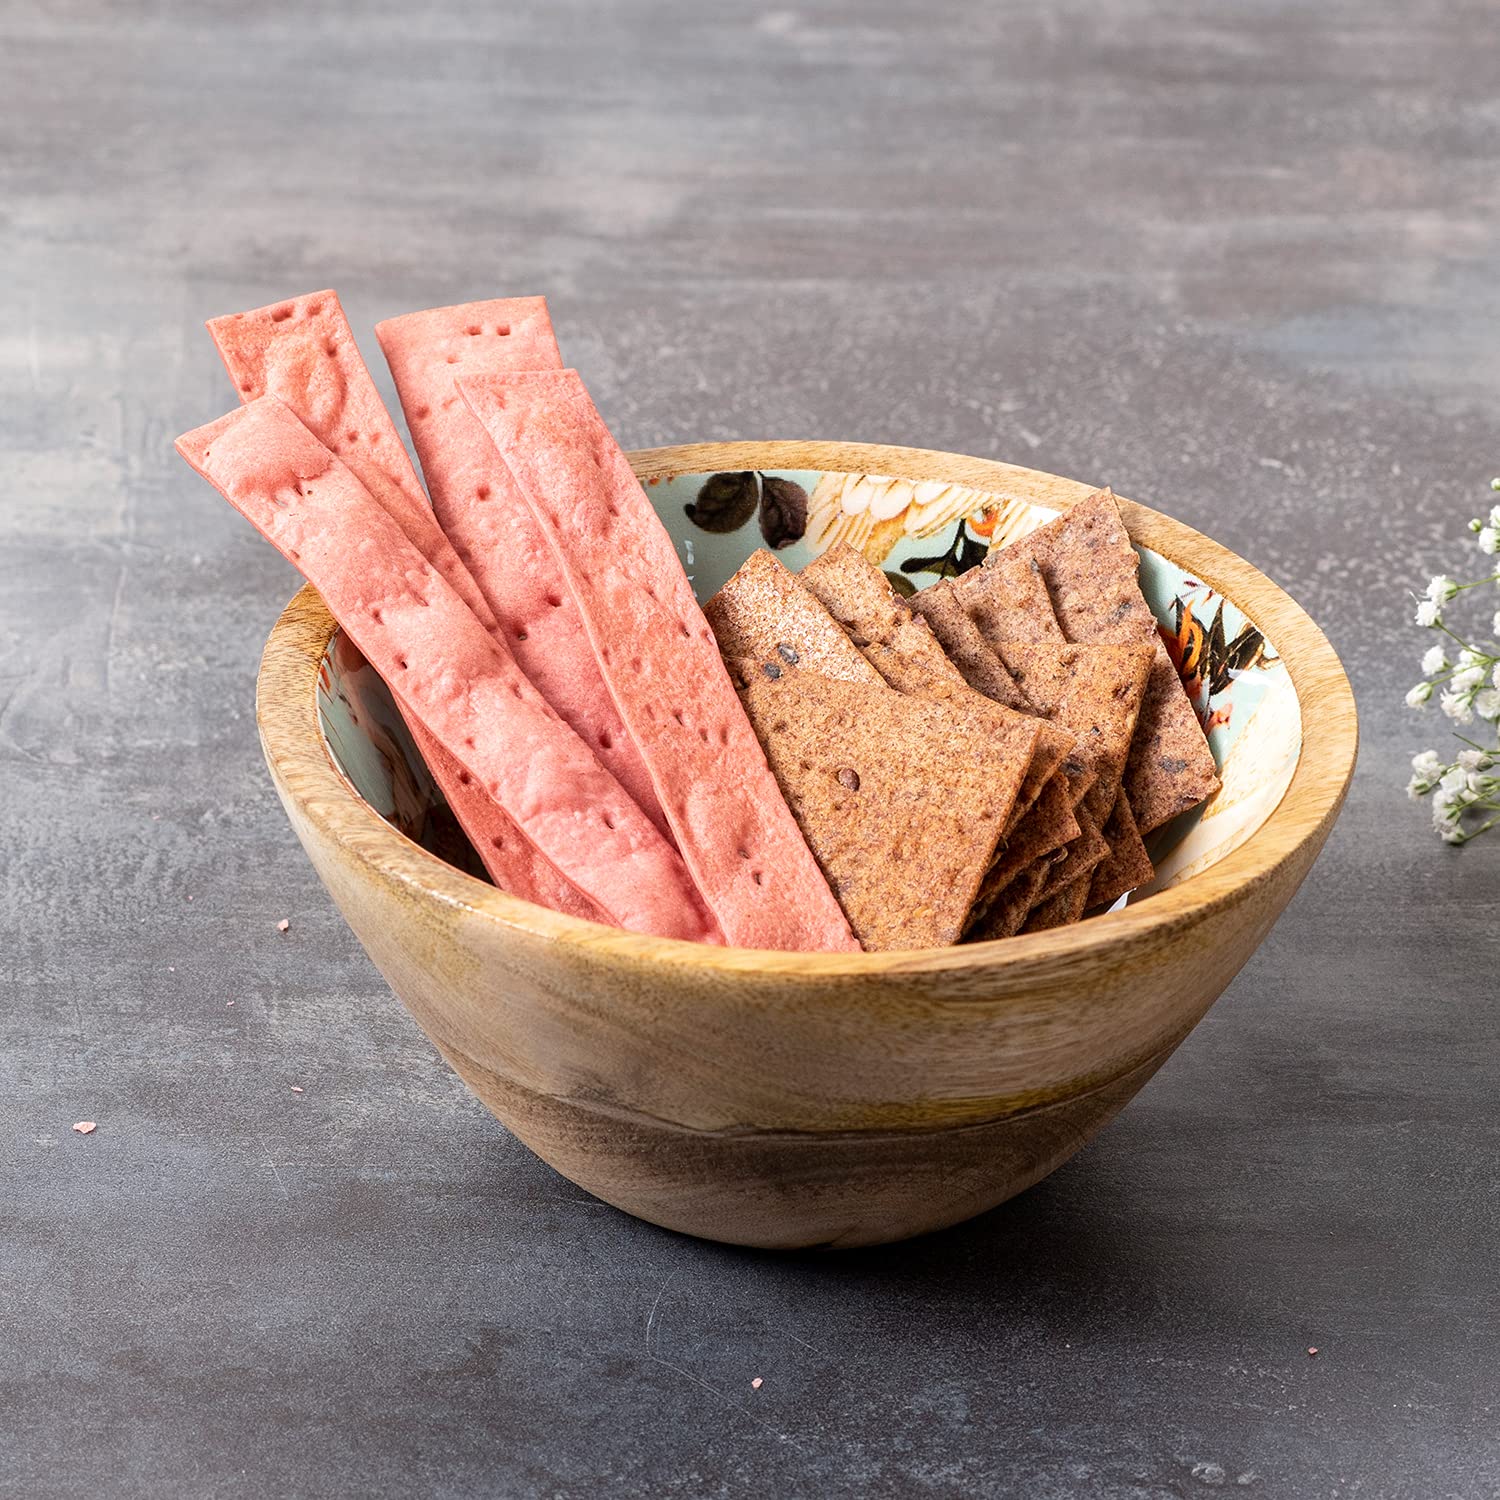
{"x": 303, "y": 352}
{"x": 457, "y": 678}
{"x": 489, "y": 523}
{"x": 662, "y": 664}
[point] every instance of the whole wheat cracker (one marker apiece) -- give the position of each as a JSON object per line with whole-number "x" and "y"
{"x": 965, "y": 647}
{"x": 1009, "y": 602}
{"x": 900, "y": 798}
{"x": 1059, "y": 910}
{"x": 902, "y": 648}
{"x": 1091, "y": 571}
{"x": 1128, "y": 865}
{"x": 1008, "y": 914}
{"x": 1043, "y": 835}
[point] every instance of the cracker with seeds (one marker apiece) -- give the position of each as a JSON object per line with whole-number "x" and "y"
{"x": 1128, "y": 865}
{"x": 1060, "y": 910}
{"x": 965, "y": 647}
{"x": 901, "y": 799}
{"x": 1009, "y": 603}
{"x": 1090, "y": 569}
{"x": 1008, "y": 914}
{"x": 902, "y": 648}
{"x": 1094, "y": 692}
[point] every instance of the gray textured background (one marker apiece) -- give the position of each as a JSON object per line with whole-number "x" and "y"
{"x": 1241, "y": 261}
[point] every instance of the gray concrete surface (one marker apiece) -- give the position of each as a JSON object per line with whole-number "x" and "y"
{"x": 1242, "y": 261}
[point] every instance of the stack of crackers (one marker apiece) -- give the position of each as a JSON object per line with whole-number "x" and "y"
{"x": 985, "y": 758}
{"x": 813, "y": 766}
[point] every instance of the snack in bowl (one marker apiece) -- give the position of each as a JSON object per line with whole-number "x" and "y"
{"x": 541, "y": 539}
{"x": 827, "y": 1096}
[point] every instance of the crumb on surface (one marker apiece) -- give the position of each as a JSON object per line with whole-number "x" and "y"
{"x": 85, "y": 1127}
{"x": 283, "y": 925}
{"x": 755, "y": 1384}
{"x": 1312, "y": 1349}
{"x": 296, "y": 1088}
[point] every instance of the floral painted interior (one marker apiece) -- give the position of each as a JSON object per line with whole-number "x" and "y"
{"x": 917, "y": 532}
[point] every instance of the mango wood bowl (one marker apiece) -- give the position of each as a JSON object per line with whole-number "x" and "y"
{"x": 781, "y": 1099}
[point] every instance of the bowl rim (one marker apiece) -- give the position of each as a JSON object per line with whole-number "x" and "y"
{"x": 302, "y": 766}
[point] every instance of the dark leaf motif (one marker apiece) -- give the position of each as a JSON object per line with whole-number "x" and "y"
{"x": 1213, "y": 651}
{"x": 725, "y": 502}
{"x": 964, "y": 552}
{"x": 943, "y": 565}
{"x": 971, "y": 552}
{"x": 1239, "y": 655}
{"x": 1245, "y": 650}
{"x": 901, "y": 583}
{"x": 783, "y": 511}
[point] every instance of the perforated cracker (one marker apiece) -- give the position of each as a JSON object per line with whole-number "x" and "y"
{"x": 487, "y": 520}
{"x": 417, "y": 633}
{"x": 661, "y": 661}
{"x": 303, "y": 352}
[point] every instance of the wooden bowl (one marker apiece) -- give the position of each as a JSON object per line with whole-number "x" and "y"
{"x": 780, "y": 1099}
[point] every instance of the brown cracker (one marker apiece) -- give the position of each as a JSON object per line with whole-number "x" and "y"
{"x": 1008, "y": 601}
{"x": 1084, "y": 854}
{"x": 899, "y": 798}
{"x": 764, "y": 611}
{"x": 1090, "y": 569}
{"x": 1041, "y": 835}
{"x": 1095, "y": 692}
{"x": 1061, "y": 910}
{"x": 1128, "y": 865}
{"x": 902, "y": 648}
{"x": 965, "y": 647}
{"x": 1008, "y": 914}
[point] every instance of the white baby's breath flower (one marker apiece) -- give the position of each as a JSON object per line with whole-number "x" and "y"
{"x": 1455, "y": 779}
{"x": 1475, "y": 760}
{"x": 1469, "y": 657}
{"x": 1489, "y": 540}
{"x": 1416, "y": 788}
{"x": 1495, "y": 512}
{"x": 1486, "y": 704}
{"x": 1452, "y": 834}
{"x": 1419, "y": 695}
{"x": 1495, "y": 676}
{"x": 1457, "y": 707}
{"x": 1441, "y": 589}
{"x": 1477, "y": 783}
{"x": 1428, "y": 614}
{"x": 1495, "y": 624}
{"x": 1470, "y": 677}
{"x": 1435, "y": 661}
{"x": 1427, "y": 764}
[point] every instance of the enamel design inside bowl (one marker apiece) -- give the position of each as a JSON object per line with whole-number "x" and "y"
{"x": 918, "y": 532}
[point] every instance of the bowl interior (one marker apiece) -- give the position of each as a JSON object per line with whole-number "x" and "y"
{"x": 918, "y": 532}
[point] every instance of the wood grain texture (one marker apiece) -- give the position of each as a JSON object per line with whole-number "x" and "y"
{"x": 695, "y": 1049}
